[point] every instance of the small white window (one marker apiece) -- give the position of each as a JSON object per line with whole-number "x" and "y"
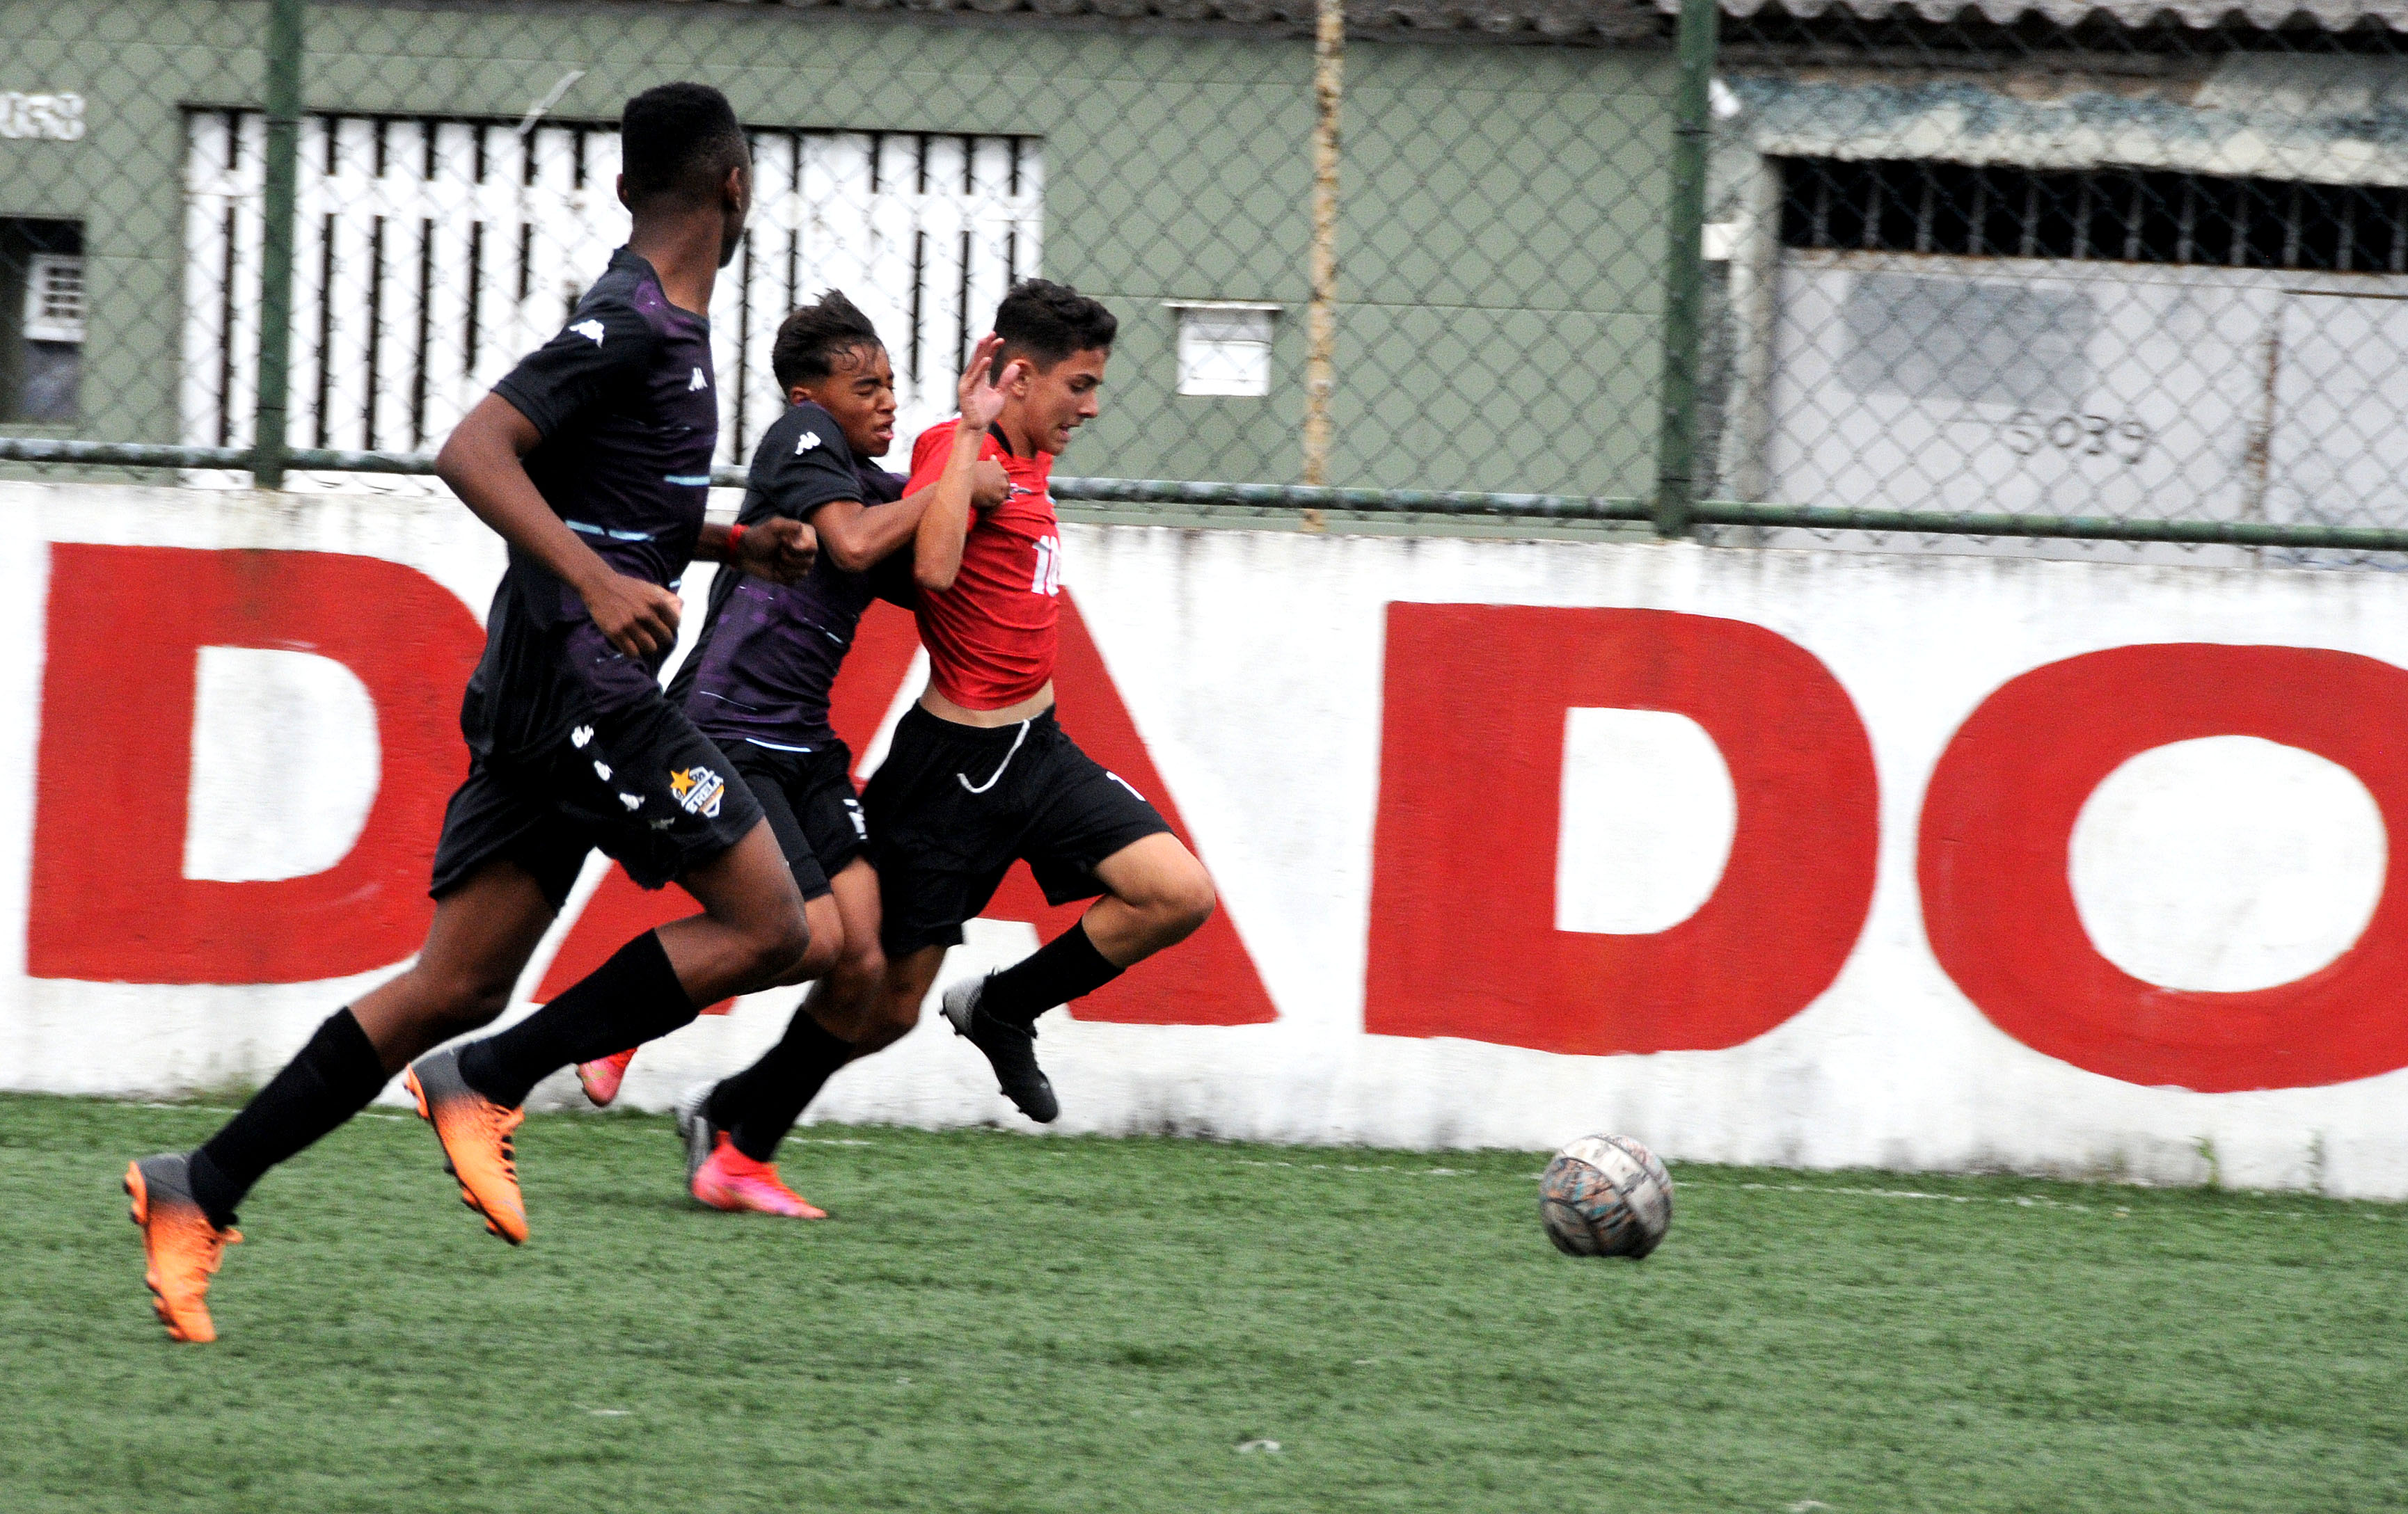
{"x": 54, "y": 298}
{"x": 1224, "y": 347}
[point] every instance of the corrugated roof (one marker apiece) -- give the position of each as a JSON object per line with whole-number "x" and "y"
{"x": 2331, "y": 15}
{"x": 1559, "y": 19}
{"x": 1630, "y": 19}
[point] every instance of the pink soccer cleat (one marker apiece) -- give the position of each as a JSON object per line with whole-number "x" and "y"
{"x": 601, "y": 1079}
{"x": 729, "y": 1180}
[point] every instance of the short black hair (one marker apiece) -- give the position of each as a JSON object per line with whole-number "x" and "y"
{"x": 809, "y": 340}
{"x": 680, "y": 140}
{"x": 1045, "y": 322}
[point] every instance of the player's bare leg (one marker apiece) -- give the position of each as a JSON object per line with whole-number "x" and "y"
{"x": 600, "y": 1077}
{"x": 483, "y": 933}
{"x": 1157, "y": 895}
{"x": 752, "y": 931}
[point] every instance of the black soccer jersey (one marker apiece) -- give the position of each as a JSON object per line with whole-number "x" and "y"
{"x": 770, "y": 652}
{"x": 625, "y": 403}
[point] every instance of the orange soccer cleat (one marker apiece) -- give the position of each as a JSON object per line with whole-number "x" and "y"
{"x": 182, "y": 1248}
{"x": 601, "y": 1079}
{"x": 475, "y": 1133}
{"x": 729, "y": 1180}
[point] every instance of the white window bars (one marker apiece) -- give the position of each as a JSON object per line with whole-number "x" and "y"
{"x": 430, "y": 254}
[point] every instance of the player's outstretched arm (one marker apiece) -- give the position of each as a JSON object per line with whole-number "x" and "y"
{"x": 480, "y": 463}
{"x": 945, "y": 520}
{"x": 858, "y": 537}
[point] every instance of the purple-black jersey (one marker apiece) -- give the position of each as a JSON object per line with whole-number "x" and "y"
{"x": 770, "y": 652}
{"x": 624, "y": 401}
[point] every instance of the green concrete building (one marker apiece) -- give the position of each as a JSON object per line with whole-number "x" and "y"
{"x": 1501, "y": 247}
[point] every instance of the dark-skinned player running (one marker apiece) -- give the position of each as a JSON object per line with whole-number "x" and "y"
{"x": 757, "y": 684}
{"x": 591, "y": 460}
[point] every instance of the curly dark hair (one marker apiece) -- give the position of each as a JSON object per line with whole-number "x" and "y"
{"x": 1045, "y": 322}
{"x": 809, "y": 340}
{"x": 680, "y": 140}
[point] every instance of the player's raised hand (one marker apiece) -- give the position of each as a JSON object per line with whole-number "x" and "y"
{"x": 990, "y": 486}
{"x": 639, "y": 619}
{"x": 982, "y": 395}
{"x": 781, "y": 549}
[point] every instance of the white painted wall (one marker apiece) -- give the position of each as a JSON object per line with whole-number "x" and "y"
{"x": 1252, "y": 663}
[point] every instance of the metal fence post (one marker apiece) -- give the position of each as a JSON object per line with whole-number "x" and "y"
{"x": 1685, "y": 271}
{"x": 284, "y": 43}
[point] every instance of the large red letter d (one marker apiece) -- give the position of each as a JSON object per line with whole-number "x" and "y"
{"x": 109, "y": 900}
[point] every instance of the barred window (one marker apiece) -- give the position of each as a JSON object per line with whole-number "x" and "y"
{"x": 2102, "y": 215}
{"x": 431, "y": 253}
{"x": 41, "y": 320}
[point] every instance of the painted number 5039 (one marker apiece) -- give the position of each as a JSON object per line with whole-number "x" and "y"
{"x": 2090, "y": 436}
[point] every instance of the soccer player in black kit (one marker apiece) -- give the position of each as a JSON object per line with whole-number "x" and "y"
{"x": 757, "y": 684}
{"x": 592, "y": 461}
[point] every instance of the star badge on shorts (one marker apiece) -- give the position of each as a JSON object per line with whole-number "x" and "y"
{"x": 697, "y": 790}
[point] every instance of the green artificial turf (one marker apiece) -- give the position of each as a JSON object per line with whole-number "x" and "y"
{"x": 996, "y": 1322}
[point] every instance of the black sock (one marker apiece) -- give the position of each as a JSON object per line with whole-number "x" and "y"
{"x": 758, "y": 1105}
{"x": 1064, "y": 969}
{"x": 633, "y": 998}
{"x": 334, "y": 1078}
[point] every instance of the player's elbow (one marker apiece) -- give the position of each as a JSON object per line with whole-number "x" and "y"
{"x": 934, "y": 577}
{"x": 449, "y": 462}
{"x": 845, "y": 553}
{"x": 467, "y": 451}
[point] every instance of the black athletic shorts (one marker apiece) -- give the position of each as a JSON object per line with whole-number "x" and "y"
{"x": 645, "y": 787}
{"x": 812, "y": 810}
{"x": 954, "y": 807}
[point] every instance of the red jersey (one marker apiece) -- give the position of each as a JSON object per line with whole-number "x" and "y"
{"x": 991, "y": 637}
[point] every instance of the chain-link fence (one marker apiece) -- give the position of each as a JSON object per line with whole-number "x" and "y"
{"x": 1501, "y": 238}
{"x": 2126, "y": 273}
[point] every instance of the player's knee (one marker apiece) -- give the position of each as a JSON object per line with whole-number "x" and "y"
{"x": 466, "y": 1000}
{"x": 860, "y": 966}
{"x": 1184, "y": 900}
{"x": 779, "y": 943}
{"x": 819, "y": 958}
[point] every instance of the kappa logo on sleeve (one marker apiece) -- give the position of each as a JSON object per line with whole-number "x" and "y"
{"x": 589, "y": 329}
{"x": 697, "y": 790}
{"x": 698, "y": 381}
{"x": 805, "y": 442}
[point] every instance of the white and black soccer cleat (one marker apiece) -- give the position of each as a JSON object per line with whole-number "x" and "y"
{"x": 1010, "y": 1050}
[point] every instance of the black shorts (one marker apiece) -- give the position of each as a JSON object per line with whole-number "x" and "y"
{"x": 954, "y": 807}
{"x": 645, "y": 787}
{"x": 812, "y": 810}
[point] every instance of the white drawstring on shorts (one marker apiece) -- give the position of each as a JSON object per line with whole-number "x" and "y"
{"x": 964, "y": 778}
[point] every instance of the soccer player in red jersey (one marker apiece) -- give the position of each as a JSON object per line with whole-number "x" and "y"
{"x": 979, "y": 774}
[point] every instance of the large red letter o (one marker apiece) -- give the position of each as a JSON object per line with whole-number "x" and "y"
{"x": 1998, "y": 897}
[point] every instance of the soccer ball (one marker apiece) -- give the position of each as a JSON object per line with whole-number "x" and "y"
{"x": 1606, "y": 1195}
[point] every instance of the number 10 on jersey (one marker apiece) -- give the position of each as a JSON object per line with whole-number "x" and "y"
{"x": 1048, "y": 578}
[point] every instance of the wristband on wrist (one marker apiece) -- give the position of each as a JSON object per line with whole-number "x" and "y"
{"x": 735, "y": 540}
